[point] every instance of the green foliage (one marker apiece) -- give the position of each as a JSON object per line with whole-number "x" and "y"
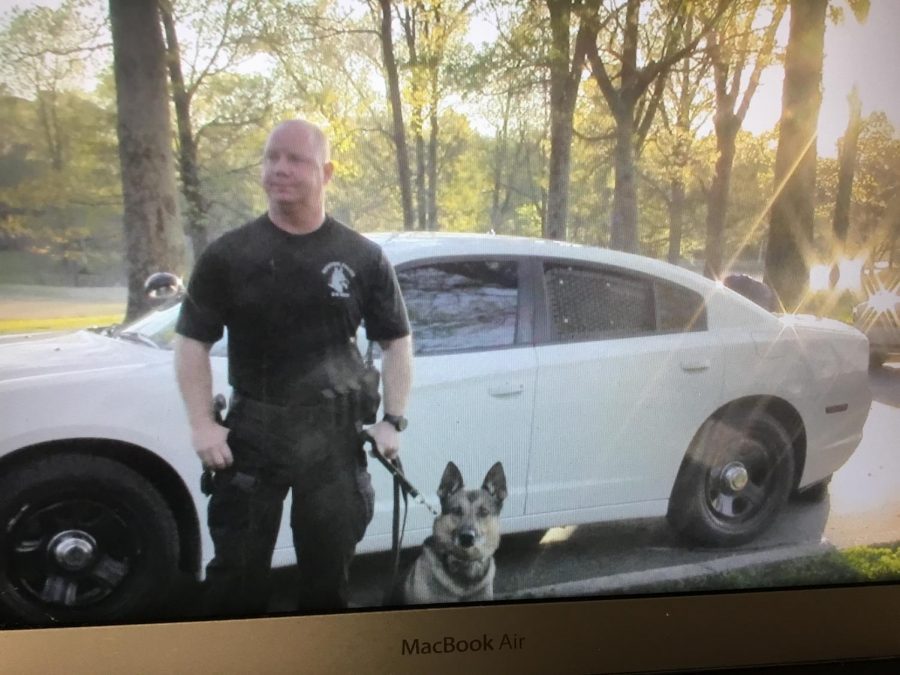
{"x": 59, "y": 191}
{"x": 862, "y": 564}
{"x": 874, "y": 563}
{"x": 69, "y": 213}
{"x": 874, "y": 223}
{"x": 48, "y": 50}
{"x": 251, "y": 63}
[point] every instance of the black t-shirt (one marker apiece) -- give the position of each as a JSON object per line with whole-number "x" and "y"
{"x": 292, "y": 305}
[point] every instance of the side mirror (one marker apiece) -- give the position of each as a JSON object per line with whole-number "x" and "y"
{"x": 162, "y": 287}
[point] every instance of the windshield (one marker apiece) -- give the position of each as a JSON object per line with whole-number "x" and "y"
{"x": 157, "y": 326}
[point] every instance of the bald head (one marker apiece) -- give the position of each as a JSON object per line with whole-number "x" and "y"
{"x": 313, "y": 137}
{"x": 295, "y": 171}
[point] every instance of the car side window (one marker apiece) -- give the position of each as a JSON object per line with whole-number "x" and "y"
{"x": 591, "y": 303}
{"x": 678, "y": 309}
{"x": 458, "y": 306}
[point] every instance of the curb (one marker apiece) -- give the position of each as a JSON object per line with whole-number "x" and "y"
{"x": 626, "y": 581}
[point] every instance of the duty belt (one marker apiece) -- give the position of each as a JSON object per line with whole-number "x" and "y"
{"x": 336, "y": 407}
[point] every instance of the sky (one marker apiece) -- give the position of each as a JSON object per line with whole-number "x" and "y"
{"x": 866, "y": 54}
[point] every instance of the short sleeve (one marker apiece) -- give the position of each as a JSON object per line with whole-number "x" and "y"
{"x": 203, "y": 310}
{"x": 385, "y": 311}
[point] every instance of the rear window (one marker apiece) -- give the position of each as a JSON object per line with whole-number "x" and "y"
{"x": 679, "y": 310}
{"x": 589, "y": 304}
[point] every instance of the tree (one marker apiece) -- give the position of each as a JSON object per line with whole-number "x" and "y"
{"x": 507, "y": 87}
{"x": 731, "y": 50}
{"x": 566, "y": 64}
{"x": 875, "y": 204}
{"x": 198, "y": 206}
{"x": 846, "y": 166}
{"x": 396, "y": 104}
{"x": 222, "y": 36}
{"x": 46, "y": 52}
{"x": 429, "y": 30}
{"x": 685, "y": 108}
{"x": 793, "y": 208}
{"x": 58, "y": 193}
{"x": 632, "y": 111}
{"x": 153, "y": 237}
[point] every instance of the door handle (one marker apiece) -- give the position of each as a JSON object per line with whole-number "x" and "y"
{"x": 506, "y": 389}
{"x": 695, "y": 366}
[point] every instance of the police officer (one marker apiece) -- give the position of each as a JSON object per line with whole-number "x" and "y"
{"x": 292, "y": 287}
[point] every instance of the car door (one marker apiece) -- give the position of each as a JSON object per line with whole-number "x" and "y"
{"x": 473, "y": 380}
{"x": 627, "y": 372}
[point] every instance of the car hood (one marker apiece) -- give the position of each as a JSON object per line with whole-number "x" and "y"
{"x": 40, "y": 355}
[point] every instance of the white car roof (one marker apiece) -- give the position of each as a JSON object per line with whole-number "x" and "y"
{"x": 403, "y": 246}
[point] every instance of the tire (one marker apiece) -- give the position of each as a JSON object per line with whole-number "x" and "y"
{"x": 814, "y": 493}
{"x": 737, "y": 476}
{"x": 83, "y": 539}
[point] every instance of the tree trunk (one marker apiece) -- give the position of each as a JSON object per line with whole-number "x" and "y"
{"x": 680, "y": 156}
{"x": 846, "y": 168}
{"x": 50, "y": 125}
{"x": 791, "y": 219}
{"x": 624, "y": 223}
{"x": 561, "y": 130}
{"x": 432, "y": 153}
{"x": 623, "y": 230}
{"x": 198, "y": 207}
{"x": 421, "y": 195}
{"x": 676, "y": 220}
{"x": 501, "y": 143}
{"x": 564, "y": 80}
{"x": 399, "y": 133}
{"x": 153, "y": 237}
{"x": 717, "y": 202}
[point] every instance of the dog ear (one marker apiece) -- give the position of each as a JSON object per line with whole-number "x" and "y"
{"x": 451, "y": 481}
{"x": 495, "y": 483}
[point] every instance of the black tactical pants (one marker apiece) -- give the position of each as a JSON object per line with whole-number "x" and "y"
{"x": 315, "y": 452}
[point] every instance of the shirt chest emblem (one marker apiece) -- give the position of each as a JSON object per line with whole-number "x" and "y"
{"x": 338, "y": 276}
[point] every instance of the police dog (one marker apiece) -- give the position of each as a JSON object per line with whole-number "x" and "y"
{"x": 456, "y": 563}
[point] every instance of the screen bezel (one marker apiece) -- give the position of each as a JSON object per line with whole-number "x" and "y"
{"x": 712, "y": 630}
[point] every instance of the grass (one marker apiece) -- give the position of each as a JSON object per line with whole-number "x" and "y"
{"x": 859, "y": 564}
{"x": 28, "y": 309}
{"x": 9, "y": 326}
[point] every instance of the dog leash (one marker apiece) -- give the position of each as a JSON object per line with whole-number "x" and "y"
{"x": 403, "y": 487}
{"x": 395, "y": 468}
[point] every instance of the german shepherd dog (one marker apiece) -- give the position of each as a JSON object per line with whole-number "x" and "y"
{"x": 456, "y": 563}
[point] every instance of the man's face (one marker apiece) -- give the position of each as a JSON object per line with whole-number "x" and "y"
{"x": 293, "y": 172}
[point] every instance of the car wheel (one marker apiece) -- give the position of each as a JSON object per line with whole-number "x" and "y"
{"x": 814, "y": 493}
{"x": 83, "y": 539}
{"x": 736, "y": 477}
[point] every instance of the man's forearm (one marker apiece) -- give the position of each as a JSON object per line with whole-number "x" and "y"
{"x": 396, "y": 372}
{"x": 194, "y": 375}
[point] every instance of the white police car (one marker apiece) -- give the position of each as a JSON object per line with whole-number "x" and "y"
{"x": 611, "y": 386}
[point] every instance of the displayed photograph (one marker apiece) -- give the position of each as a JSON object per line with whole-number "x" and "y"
{"x": 331, "y": 306}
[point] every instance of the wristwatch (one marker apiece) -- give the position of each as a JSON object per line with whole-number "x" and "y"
{"x": 399, "y": 422}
